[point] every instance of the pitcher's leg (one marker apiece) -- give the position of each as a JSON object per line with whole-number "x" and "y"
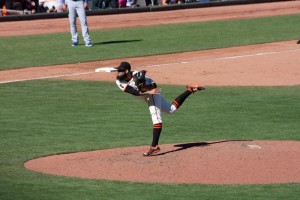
{"x": 178, "y": 101}
{"x": 157, "y": 128}
{"x": 154, "y": 103}
{"x": 155, "y": 111}
{"x": 190, "y": 89}
{"x": 167, "y": 107}
{"x": 171, "y": 108}
{"x": 154, "y": 148}
{"x": 181, "y": 98}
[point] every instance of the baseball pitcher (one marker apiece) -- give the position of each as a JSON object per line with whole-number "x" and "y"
{"x": 138, "y": 84}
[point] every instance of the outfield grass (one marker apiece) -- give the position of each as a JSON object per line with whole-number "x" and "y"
{"x": 52, "y": 49}
{"x": 39, "y": 118}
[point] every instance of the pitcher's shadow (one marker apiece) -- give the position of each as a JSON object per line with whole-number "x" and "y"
{"x": 185, "y": 146}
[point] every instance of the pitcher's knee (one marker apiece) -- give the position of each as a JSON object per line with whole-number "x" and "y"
{"x": 173, "y": 109}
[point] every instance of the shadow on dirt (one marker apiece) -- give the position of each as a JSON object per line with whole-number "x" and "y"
{"x": 185, "y": 146}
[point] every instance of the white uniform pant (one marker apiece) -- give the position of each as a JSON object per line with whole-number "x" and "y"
{"x": 77, "y": 8}
{"x": 157, "y": 104}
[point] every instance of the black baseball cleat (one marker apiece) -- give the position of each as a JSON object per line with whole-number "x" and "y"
{"x": 298, "y": 42}
{"x": 195, "y": 88}
{"x": 152, "y": 151}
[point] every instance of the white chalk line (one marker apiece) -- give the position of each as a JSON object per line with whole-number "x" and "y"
{"x": 48, "y": 77}
{"x": 158, "y": 65}
{"x": 224, "y": 58}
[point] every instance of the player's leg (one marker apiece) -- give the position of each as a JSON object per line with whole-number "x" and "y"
{"x": 154, "y": 103}
{"x": 178, "y": 101}
{"x": 155, "y": 111}
{"x": 72, "y": 20}
{"x": 171, "y": 108}
{"x": 83, "y": 21}
{"x": 157, "y": 104}
{"x": 190, "y": 89}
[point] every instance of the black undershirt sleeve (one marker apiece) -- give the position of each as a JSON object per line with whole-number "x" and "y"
{"x": 132, "y": 91}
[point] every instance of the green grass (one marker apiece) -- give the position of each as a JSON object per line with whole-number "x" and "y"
{"x": 39, "y": 118}
{"x": 52, "y": 49}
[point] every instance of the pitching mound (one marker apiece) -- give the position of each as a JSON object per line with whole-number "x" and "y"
{"x": 215, "y": 162}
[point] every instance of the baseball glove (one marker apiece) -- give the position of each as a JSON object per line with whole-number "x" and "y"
{"x": 140, "y": 79}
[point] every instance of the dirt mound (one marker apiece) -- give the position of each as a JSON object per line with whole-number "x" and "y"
{"x": 214, "y": 162}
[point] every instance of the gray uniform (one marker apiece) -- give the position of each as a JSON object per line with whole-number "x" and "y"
{"x": 75, "y": 8}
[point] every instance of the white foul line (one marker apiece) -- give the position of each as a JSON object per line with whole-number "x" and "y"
{"x": 225, "y": 58}
{"x": 48, "y": 77}
{"x": 159, "y": 65}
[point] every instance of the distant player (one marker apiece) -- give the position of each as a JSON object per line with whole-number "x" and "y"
{"x": 138, "y": 84}
{"x": 77, "y": 7}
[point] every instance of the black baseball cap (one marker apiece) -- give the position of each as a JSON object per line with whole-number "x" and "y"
{"x": 123, "y": 67}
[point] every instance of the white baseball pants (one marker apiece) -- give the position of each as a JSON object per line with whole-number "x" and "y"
{"x": 157, "y": 104}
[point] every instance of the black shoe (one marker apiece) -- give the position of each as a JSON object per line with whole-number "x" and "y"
{"x": 152, "y": 150}
{"x": 298, "y": 42}
{"x": 195, "y": 88}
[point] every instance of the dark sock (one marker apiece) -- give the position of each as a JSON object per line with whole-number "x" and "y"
{"x": 157, "y": 128}
{"x": 181, "y": 98}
